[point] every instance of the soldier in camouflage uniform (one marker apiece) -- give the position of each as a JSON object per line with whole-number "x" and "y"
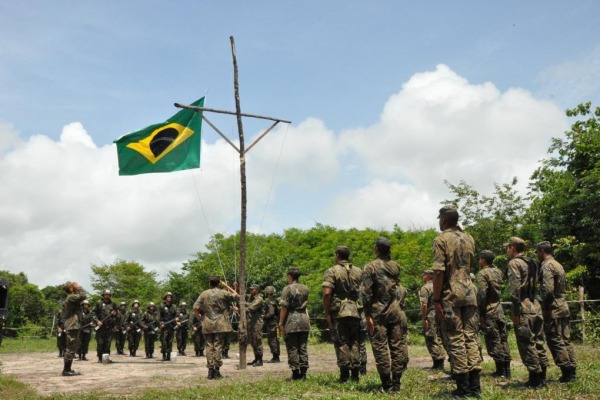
{"x": 182, "y": 328}
{"x": 167, "y": 326}
{"x": 197, "y": 337}
{"x": 491, "y": 315}
{"x": 72, "y": 324}
{"x": 120, "y": 330}
{"x": 150, "y": 325}
{"x": 255, "y": 324}
{"x": 271, "y": 319}
{"x": 86, "y": 321}
{"x": 431, "y": 329}
{"x": 212, "y": 307}
{"x": 134, "y": 329}
{"x": 61, "y": 338}
{"x": 556, "y": 313}
{"x": 105, "y": 318}
{"x": 294, "y": 323}
{"x": 386, "y": 322}
{"x": 527, "y": 312}
{"x": 455, "y": 301}
{"x": 341, "y": 291}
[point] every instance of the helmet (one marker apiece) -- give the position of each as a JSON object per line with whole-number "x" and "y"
{"x": 167, "y": 294}
{"x": 85, "y": 302}
{"x": 106, "y": 291}
{"x": 122, "y": 304}
{"x": 135, "y": 301}
{"x": 183, "y": 303}
{"x": 270, "y": 290}
{"x": 151, "y": 304}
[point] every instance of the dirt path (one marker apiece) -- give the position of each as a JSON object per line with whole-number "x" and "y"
{"x": 127, "y": 374}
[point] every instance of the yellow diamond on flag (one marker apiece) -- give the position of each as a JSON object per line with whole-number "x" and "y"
{"x": 161, "y": 141}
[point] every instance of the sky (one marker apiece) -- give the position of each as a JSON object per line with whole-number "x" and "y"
{"x": 388, "y": 100}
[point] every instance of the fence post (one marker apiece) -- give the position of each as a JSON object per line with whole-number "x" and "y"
{"x": 582, "y": 308}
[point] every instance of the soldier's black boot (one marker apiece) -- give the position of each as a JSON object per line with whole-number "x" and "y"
{"x": 100, "y": 359}
{"x": 217, "y": 373}
{"x": 569, "y": 374}
{"x": 201, "y": 353}
{"x": 164, "y": 356}
{"x": 295, "y": 375}
{"x": 475, "y": 384}
{"x": 67, "y": 371}
{"x": 386, "y": 382}
{"x": 462, "y": 386}
{"x": 303, "y": 373}
{"x": 535, "y": 380}
{"x": 344, "y": 375}
{"x": 438, "y": 365}
{"x": 226, "y": 354}
{"x": 355, "y": 374}
{"x": 543, "y": 376}
{"x": 258, "y": 362}
{"x": 169, "y": 356}
{"x": 499, "y": 369}
{"x": 211, "y": 374}
{"x": 84, "y": 358}
{"x": 250, "y": 363}
{"x": 275, "y": 359}
{"x": 363, "y": 368}
{"x": 395, "y": 383}
{"x": 507, "y": 373}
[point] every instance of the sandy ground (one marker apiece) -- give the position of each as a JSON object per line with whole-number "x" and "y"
{"x": 127, "y": 374}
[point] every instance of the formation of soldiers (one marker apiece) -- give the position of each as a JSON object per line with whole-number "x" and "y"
{"x": 356, "y": 302}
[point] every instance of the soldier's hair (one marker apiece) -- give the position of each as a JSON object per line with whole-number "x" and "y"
{"x": 343, "y": 252}
{"x": 451, "y": 218}
{"x": 214, "y": 281}
{"x": 520, "y": 247}
{"x": 294, "y": 273}
{"x": 383, "y": 245}
{"x": 546, "y": 247}
{"x": 488, "y": 257}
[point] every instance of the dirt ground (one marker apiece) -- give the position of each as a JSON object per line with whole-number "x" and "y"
{"x": 127, "y": 374}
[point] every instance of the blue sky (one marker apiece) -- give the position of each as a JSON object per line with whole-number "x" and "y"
{"x": 376, "y": 91}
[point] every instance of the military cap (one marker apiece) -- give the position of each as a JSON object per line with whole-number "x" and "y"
{"x": 270, "y": 290}
{"x": 428, "y": 272}
{"x": 135, "y": 301}
{"x": 255, "y": 286}
{"x": 513, "y": 241}
{"x": 383, "y": 242}
{"x": 545, "y": 246}
{"x": 167, "y": 294}
{"x": 106, "y": 291}
{"x": 294, "y": 271}
{"x": 486, "y": 253}
{"x": 448, "y": 209}
{"x": 67, "y": 285}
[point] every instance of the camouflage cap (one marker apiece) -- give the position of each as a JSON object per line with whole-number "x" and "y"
{"x": 254, "y": 286}
{"x": 67, "y": 286}
{"x": 270, "y": 290}
{"x": 545, "y": 246}
{"x": 513, "y": 241}
{"x": 428, "y": 272}
{"x": 447, "y": 210}
{"x": 486, "y": 253}
{"x": 294, "y": 271}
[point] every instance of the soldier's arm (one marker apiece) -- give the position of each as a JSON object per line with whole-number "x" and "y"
{"x": 514, "y": 283}
{"x": 483, "y": 284}
{"x": 547, "y": 286}
{"x": 256, "y": 304}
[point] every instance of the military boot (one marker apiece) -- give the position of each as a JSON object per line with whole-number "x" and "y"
{"x": 355, "y": 374}
{"x": 275, "y": 359}
{"x": 303, "y": 373}
{"x": 258, "y": 362}
{"x": 395, "y": 383}
{"x": 252, "y": 362}
{"x": 499, "y": 369}
{"x": 211, "y": 373}
{"x": 67, "y": 371}
{"x": 217, "y": 373}
{"x": 462, "y": 385}
{"x": 84, "y": 358}
{"x": 475, "y": 384}
{"x": 225, "y": 354}
{"x": 438, "y": 365}
{"x": 535, "y": 380}
{"x": 386, "y": 382}
{"x": 543, "y": 376}
{"x": 569, "y": 374}
{"x": 363, "y": 368}
{"x": 295, "y": 375}
{"x": 507, "y": 373}
{"x": 164, "y": 356}
{"x": 344, "y": 374}
{"x": 201, "y": 353}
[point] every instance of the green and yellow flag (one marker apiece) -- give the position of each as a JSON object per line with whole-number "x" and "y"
{"x": 173, "y": 145}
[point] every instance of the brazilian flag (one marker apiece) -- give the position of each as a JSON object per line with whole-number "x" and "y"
{"x": 173, "y": 145}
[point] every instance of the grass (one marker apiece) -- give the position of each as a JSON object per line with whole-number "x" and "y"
{"x": 416, "y": 383}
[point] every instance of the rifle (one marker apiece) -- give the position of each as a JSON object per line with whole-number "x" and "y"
{"x": 103, "y": 320}
{"x": 181, "y": 322}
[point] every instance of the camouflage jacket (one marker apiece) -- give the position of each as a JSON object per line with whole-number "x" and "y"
{"x": 552, "y": 290}
{"x": 150, "y": 322}
{"x": 426, "y": 296}
{"x": 381, "y": 292}
{"x": 270, "y": 313}
{"x": 294, "y": 297}
{"x": 453, "y": 252}
{"x": 489, "y": 295}
{"x": 213, "y": 305}
{"x": 522, "y": 288}
{"x": 344, "y": 279}
{"x": 254, "y": 311}
{"x": 134, "y": 317}
{"x": 168, "y": 313}
{"x": 102, "y": 313}
{"x": 86, "y": 321}
{"x": 72, "y": 310}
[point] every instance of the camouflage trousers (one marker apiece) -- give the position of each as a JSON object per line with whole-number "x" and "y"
{"x": 166, "y": 340}
{"x": 84, "y": 342}
{"x": 214, "y": 348}
{"x": 181, "y": 336}
{"x": 149, "y": 339}
{"x": 390, "y": 347}
{"x": 495, "y": 335}
{"x": 362, "y": 342}
{"x": 459, "y": 328}
{"x": 103, "y": 341}
{"x": 273, "y": 341}
{"x": 255, "y": 339}
{"x": 347, "y": 332}
{"x": 296, "y": 345}
{"x": 72, "y": 337}
{"x": 133, "y": 339}
{"x": 120, "y": 338}
{"x": 61, "y": 341}
{"x": 530, "y": 341}
{"x": 198, "y": 339}
{"x": 433, "y": 339}
{"x": 558, "y": 338}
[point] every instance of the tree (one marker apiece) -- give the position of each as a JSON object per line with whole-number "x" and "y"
{"x": 127, "y": 280}
{"x": 565, "y": 192}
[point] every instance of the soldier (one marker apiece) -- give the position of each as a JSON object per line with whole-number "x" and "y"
{"x": 455, "y": 301}
{"x": 527, "y": 312}
{"x": 491, "y": 315}
{"x": 294, "y": 323}
{"x": 134, "y": 329}
{"x": 87, "y": 321}
{"x": 341, "y": 291}
{"x": 105, "y": 317}
{"x": 271, "y": 319}
{"x": 120, "y": 330}
{"x": 431, "y": 329}
{"x": 198, "y": 337}
{"x": 182, "y": 327}
{"x": 556, "y": 313}
{"x": 255, "y": 324}
{"x": 167, "y": 326}
{"x": 72, "y": 324}
{"x": 386, "y": 322}
{"x": 61, "y": 339}
{"x": 212, "y": 308}
{"x": 149, "y": 323}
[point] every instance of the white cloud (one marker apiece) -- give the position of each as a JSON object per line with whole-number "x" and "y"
{"x": 64, "y": 206}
